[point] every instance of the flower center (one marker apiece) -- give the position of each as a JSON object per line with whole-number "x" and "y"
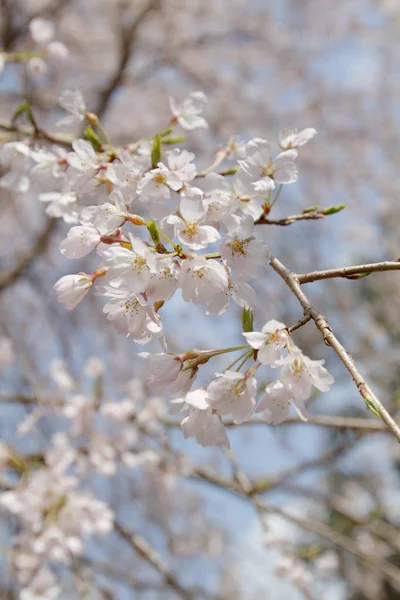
{"x": 159, "y": 178}
{"x": 238, "y": 247}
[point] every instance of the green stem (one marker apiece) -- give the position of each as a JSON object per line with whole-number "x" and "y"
{"x": 245, "y": 359}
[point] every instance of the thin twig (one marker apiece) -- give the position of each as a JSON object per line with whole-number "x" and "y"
{"x": 349, "y": 272}
{"x": 143, "y": 548}
{"x": 127, "y": 39}
{"x": 330, "y": 339}
{"x": 9, "y": 277}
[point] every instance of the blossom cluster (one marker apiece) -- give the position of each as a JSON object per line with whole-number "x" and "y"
{"x": 159, "y": 225}
{"x": 55, "y": 507}
{"x": 41, "y": 48}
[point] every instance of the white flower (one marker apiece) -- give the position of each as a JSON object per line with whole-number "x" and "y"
{"x": 164, "y": 281}
{"x": 83, "y": 164}
{"x": 128, "y": 311}
{"x": 156, "y": 185}
{"x": 106, "y": 217}
{"x": 292, "y": 138}
{"x": 73, "y": 102}
{"x": 43, "y": 586}
{"x": 61, "y": 205}
{"x": 57, "y": 51}
{"x": 36, "y": 66}
{"x": 188, "y": 113}
{"x": 48, "y": 163}
{"x": 163, "y": 369}
{"x": 59, "y": 374}
{"x": 180, "y": 163}
{"x": 125, "y": 176}
{"x": 264, "y": 170}
{"x": 276, "y": 401}
{"x": 189, "y": 229}
{"x": 269, "y": 342}
{"x": 219, "y": 199}
{"x": 300, "y": 374}
{"x": 131, "y": 268}
{"x": 199, "y": 420}
{"x": 201, "y": 279}
{"x": 16, "y": 157}
{"x": 80, "y": 241}
{"x": 234, "y": 393}
{"x": 94, "y": 367}
{"x": 41, "y": 30}
{"x": 71, "y": 289}
{"x": 6, "y": 353}
{"x": 242, "y": 251}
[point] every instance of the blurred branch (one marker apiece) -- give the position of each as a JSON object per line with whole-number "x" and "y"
{"x": 337, "y": 422}
{"x": 62, "y": 139}
{"x": 316, "y": 527}
{"x": 304, "y": 216}
{"x": 330, "y": 339}
{"x": 355, "y": 272}
{"x": 9, "y": 277}
{"x": 126, "y": 47}
{"x": 143, "y": 548}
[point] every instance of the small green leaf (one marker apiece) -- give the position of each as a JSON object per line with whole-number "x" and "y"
{"x": 22, "y": 109}
{"x": 247, "y": 320}
{"x": 311, "y": 209}
{"x": 174, "y": 140}
{"x": 153, "y": 230}
{"x": 93, "y": 138}
{"x": 156, "y": 151}
{"x": 370, "y": 404}
{"x": 331, "y": 210}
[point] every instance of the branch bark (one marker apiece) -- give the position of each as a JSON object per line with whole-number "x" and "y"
{"x": 349, "y": 272}
{"x": 371, "y": 400}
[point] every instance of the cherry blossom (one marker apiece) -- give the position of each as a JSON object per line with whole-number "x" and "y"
{"x": 292, "y": 138}
{"x": 233, "y": 393}
{"x": 242, "y": 251}
{"x": 264, "y": 170}
{"x": 71, "y": 289}
{"x": 300, "y": 373}
{"x": 188, "y": 113}
{"x": 269, "y": 342}
{"x": 189, "y": 227}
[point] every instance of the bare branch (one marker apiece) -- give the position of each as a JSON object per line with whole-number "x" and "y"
{"x": 143, "y": 548}
{"x": 9, "y": 277}
{"x": 355, "y": 272}
{"x": 127, "y": 41}
{"x": 330, "y": 339}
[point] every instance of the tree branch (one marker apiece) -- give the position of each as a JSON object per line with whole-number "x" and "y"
{"x": 127, "y": 39}
{"x": 355, "y": 272}
{"x": 9, "y": 277}
{"x": 143, "y": 548}
{"x": 331, "y": 340}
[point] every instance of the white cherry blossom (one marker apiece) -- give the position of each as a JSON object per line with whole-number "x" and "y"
{"x": 80, "y": 241}
{"x": 188, "y": 113}
{"x": 189, "y": 228}
{"x": 242, "y": 251}
{"x": 300, "y": 373}
{"x": 201, "y": 279}
{"x": 264, "y": 170}
{"x": 199, "y": 420}
{"x": 233, "y": 393}
{"x": 292, "y": 138}
{"x": 276, "y": 402}
{"x": 72, "y": 101}
{"x": 41, "y": 30}
{"x": 71, "y": 289}
{"x": 131, "y": 268}
{"x": 269, "y": 342}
